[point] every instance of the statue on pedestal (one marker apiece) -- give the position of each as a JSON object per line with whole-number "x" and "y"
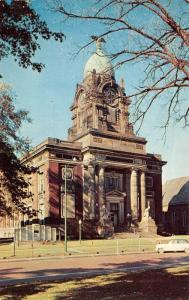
{"x": 105, "y": 226}
{"x": 147, "y": 224}
{"x": 147, "y": 213}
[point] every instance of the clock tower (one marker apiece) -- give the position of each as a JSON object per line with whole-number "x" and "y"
{"x": 100, "y": 103}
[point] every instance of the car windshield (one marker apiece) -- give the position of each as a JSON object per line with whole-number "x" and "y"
{"x": 173, "y": 242}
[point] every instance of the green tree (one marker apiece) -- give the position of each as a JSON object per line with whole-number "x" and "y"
{"x": 21, "y": 28}
{"x": 11, "y": 145}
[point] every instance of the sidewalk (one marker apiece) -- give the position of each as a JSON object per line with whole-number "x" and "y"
{"x": 72, "y": 256}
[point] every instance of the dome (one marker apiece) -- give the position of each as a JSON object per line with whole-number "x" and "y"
{"x": 99, "y": 61}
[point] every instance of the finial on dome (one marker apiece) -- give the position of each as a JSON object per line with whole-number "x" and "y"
{"x": 99, "y": 60}
{"x": 98, "y": 40}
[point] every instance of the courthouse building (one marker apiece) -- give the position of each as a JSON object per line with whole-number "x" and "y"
{"x": 109, "y": 174}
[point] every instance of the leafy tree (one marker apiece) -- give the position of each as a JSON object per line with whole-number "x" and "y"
{"x": 11, "y": 145}
{"x": 153, "y": 34}
{"x": 20, "y": 30}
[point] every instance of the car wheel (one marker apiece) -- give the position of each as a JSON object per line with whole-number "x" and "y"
{"x": 160, "y": 250}
{"x": 186, "y": 250}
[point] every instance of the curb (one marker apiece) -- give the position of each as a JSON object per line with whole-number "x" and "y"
{"x": 69, "y": 256}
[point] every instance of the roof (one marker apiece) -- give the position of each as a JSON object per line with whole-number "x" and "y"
{"x": 176, "y": 191}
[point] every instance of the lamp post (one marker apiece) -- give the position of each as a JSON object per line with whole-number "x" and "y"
{"x": 65, "y": 205}
{"x": 80, "y": 223}
{"x": 65, "y": 208}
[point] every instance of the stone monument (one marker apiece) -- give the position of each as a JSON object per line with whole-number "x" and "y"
{"x": 147, "y": 224}
{"x": 105, "y": 226}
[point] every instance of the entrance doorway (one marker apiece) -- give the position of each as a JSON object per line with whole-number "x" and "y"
{"x": 114, "y": 209}
{"x": 114, "y": 218}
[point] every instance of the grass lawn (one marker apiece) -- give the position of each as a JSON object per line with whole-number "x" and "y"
{"x": 172, "y": 284}
{"x": 29, "y": 249}
{"x": 111, "y": 246}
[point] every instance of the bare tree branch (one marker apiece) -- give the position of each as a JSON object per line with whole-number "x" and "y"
{"x": 163, "y": 50}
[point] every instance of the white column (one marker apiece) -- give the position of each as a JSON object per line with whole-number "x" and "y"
{"x": 92, "y": 191}
{"x": 86, "y": 200}
{"x": 143, "y": 193}
{"x": 134, "y": 194}
{"x": 101, "y": 190}
{"x": 96, "y": 192}
{"x": 128, "y": 196}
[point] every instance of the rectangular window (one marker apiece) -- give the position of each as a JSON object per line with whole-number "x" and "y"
{"x": 173, "y": 217}
{"x": 41, "y": 186}
{"x": 113, "y": 206}
{"x": 184, "y": 219}
{"x": 29, "y": 187}
{"x": 41, "y": 211}
{"x": 138, "y": 161}
{"x": 149, "y": 181}
{"x": 113, "y": 182}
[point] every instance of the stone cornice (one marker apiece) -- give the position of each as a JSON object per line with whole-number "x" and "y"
{"x": 113, "y": 135}
{"x": 51, "y": 144}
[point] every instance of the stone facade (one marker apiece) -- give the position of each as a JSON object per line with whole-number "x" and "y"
{"x": 109, "y": 173}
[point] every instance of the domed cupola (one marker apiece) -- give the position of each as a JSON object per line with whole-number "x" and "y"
{"x": 99, "y": 61}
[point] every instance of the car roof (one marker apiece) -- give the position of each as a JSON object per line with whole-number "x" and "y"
{"x": 180, "y": 240}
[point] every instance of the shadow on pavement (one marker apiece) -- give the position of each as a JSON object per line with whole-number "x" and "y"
{"x": 119, "y": 284}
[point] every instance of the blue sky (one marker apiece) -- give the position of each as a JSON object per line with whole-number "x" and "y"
{"x": 49, "y": 94}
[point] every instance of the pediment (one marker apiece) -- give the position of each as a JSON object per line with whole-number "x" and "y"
{"x": 115, "y": 193}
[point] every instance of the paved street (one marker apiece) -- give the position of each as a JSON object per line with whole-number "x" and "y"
{"x": 12, "y": 272}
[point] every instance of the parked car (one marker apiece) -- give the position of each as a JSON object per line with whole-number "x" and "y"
{"x": 175, "y": 245}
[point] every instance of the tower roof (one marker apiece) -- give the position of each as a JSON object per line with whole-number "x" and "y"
{"x": 99, "y": 61}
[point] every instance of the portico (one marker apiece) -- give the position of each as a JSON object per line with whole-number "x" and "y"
{"x": 118, "y": 187}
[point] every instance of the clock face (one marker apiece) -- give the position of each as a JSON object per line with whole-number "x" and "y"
{"x": 110, "y": 95}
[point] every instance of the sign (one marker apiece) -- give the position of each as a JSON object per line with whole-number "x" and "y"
{"x": 69, "y": 173}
